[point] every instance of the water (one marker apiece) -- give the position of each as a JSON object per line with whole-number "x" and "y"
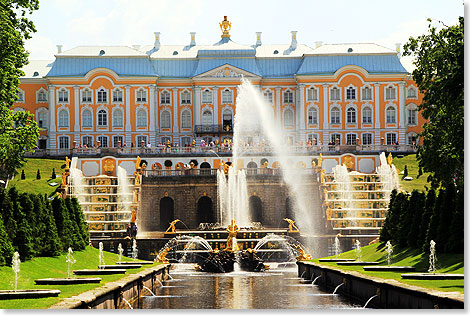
{"x": 389, "y": 250}
{"x": 432, "y": 257}
{"x": 278, "y": 288}
{"x": 135, "y": 251}
{"x": 70, "y": 260}
{"x": 233, "y": 197}
{"x": 16, "y": 267}
{"x": 287, "y": 243}
{"x": 100, "y": 255}
{"x": 78, "y": 184}
{"x": 388, "y": 175}
{"x": 124, "y": 193}
{"x": 358, "y": 250}
{"x": 343, "y": 183}
{"x": 120, "y": 251}
{"x": 337, "y": 246}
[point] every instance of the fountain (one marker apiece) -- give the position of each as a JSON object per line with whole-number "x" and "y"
{"x": 120, "y": 251}
{"x": 15, "y": 265}
{"x": 389, "y": 267}
{"x": 389, "y": 250}
{"x": 432, "y": 257}
{"x": 70, "y": 260}
{"x": 337, "y": 246}
{"x": 337, "y": 249}
{"x": 135, "y": 251}
{"x": 358, "y": 250}
{"x": 100, "y": 255}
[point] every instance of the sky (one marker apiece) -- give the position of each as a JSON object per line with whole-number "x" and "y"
{"x": 133, "y": 22}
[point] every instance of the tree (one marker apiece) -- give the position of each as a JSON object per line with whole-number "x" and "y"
{"x": 53, "y": 176}
{"x": 426, "y": 217}
{"x": 38, "y": 175}
{"x": 405, "y": 172}
{"x": 64, "y": 225}
{"x": 50, "y": 239}
{"x": 23, "y": 240}
{"x": 446, "y": 215}
{"x": 23, "y": 176}
{"x": 6, "y": 248}
{"x": 439, "y": 74}
{"x": 431, "y": 233}
{"x": 18, "y": 131}
{"x": 455, "y": 243}
{"x": 404, "y": 226}
{"x": 416, "y": 212}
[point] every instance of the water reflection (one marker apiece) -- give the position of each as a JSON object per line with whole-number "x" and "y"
{"x": 278, "y": 288}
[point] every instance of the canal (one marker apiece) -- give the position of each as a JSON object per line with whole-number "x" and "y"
{"x": 278, "y": 288}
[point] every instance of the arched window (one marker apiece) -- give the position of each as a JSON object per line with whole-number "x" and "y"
{"x": 288, "y": 97}
{"x": 166, "y": 119}
{"x": 186, "y": 119}
{"x": 351, "y": 115}
{"x": 207, "y": 118}
{"x": 102, "y": 118}
{"x": 185, "y": 97}
{"x": 312, "y": 116}
{"x": 63, "y": 96}
{"x": 86, "y": 118}
{"x": 117, "y": 95}
{"x": 118, "y": 118}
{"x": 102, "y": 96}
{"x": 63, "y": 118}
{"x": 390, "y": 113}
{"x": 411, "y": 93}
{"x": 335, "y": 115}
{"x": 334, "y": 94}
{"x": 288, "y": 118}
{"x": 165, "y": 97}
{"x": 141, "y": 118}
{"x": 367, "y": 115}
{"x": 227, "y": 96}
{"x": 412, "y": 115}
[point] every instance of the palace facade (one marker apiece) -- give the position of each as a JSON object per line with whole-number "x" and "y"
{"x": 118, "y": 95}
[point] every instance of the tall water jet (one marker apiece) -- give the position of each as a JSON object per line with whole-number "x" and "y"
{"x": 233, "y": 197}
{"x": 337, "y": 246}
{"x": 100, "y": 256}
{"x": 16, "y": 267}
{"x": 78, "y": 184}
{"x": 432, "y": 257}
{"x": 389, "y": 250}
{"x": 388, "y": 175}
{"x": 70, "y": 260}
{"x": 358, "y": 250}
{"x": 120, "y": 251}
{"x": 135, "y": 251}
{"x": 343, "y": 183}
{"x": 124, "y": 193}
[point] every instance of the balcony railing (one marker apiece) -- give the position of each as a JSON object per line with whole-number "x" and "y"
{"x": 213, "y": 129}
{"x": 161, "y": 150}
{"x": 213, "y": 171}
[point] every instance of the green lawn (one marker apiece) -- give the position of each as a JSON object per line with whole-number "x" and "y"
{"x": 446, "y": 263}
{"x": 412, "y": 166}
{"x": 33, "y": 185}
{"x": 56, "y": 267}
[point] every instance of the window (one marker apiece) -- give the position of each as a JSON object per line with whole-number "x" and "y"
{"x": 165, "y": 140}
{"x": 186, "y": 119}
{"x": 86, "y": 118}
{"x": 42, "y": 96}
{"x": 102, "y": 118}
{"x": 288, "y": 118}
{"x": 390, "y": 93}
{"x": 391, "y": 115}
{"x": 42, "y": 118}
{"x": 88, "y": 141}
{"x": 141, "y": 118}
{"x": 312, "y": 94}
{"x": 207, "y": 97}
{"x": 366, "y": 139}
{"x": 411, "y": 93}
{"x": 118, "y": 118}
{"x": 141, "y": 141}
{"x": 63, "y": 118}
{"x": 391, "y": 138}
{"x": 102, "y": 96}
{"x": 335, "y": 115}
{"x": 141, "y": 96}
{"x": 226, "y": 96}
{"x": 166, "y": 119}
{"x": 412, "y": 139}
{"x": 116, "y": 140}
{"x": 367, "y": 115}
{"x": 20, "y": 96}
{"x": 185, "y": 97}
{"x": 86, "y": 96}
{"x": 313, "y": 137}
{"x": 63, "y": 142}
{"x": 367, "y": 93}
{"x": 350, "y": 93}
{"x": 268, "y": 97}
{"x": 186, "y": 141}
{"x": 351, "y": 139}
{"x": 103, "y": 141}
{"x": 351, "y": 115}
{"x": 117, "y": 96}
{"x": 207, "y": 118}
{"x": 165, "y": 97}
{"x": 288, "y": 97}
{"x": 312, "y": 116}
{"x": 63, "y": 96}
{"x": 335, "y": 137}
{"x": 412, "y": 116}
{"x": 334, "y": 94}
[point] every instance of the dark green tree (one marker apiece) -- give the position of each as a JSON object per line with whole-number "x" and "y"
{"x": 7, "y": 212}
{"x": 455, "y": 243}
{"x": 30, "y": 208}
{"x": 53, "y": 176}
{"x": 18, "y": 131}
{"x": 446, "y": 215}
{"x": 23, "y": 240}
{"x": 439, "y": 74}
{"x": 420, "y": 172}
{"x": 63, "y": 223}
{"x": 23, "y": 176}
{"x": 38, "y": 175}
{"x": 428, "y": 210}
{"x": 6, "y": 248}
{"x": 82, "y": 225}
{"x": 390, "y": 229}
{"x": 431, "y": 233}
{"x": 416, "y": 211}
{"x": 405, "y": 172}
{"x": 78, "y": 241}
{"x": 403, "y": 227}
{"x": 51, "y": 244}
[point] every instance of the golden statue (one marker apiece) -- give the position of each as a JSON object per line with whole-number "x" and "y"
{"x": 320, "y": 160}
{"x": 133, "y": 216}
{"x": 137, "y": 163}
{"x": 64, "y": 179}
{"x": 225, "y": 167}
{"x": 232, "y": 230}
{"x": 67, "y": 163}
{"x": 314, "y": 164}
{"x": 322, "y": 176}
{"x": 172, "y": 226}
{"x": 302, "y": 255}
{"x": 292, "y": 227}
{"x": 390, "y": 159}
{"x": 161, "y": 257}
{"x": 225, "y": 27}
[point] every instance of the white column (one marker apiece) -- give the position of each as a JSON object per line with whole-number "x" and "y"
{"x": 157, "y": 112}
{"x": 278, "y": 105}
{"x": 152, "y": 114}
{"x": 301, "y": 109}
{"x": 402, "y": 110}
{"x": 128, "y": 127}
{"x": 197, "y": 107}
{"x": 52, "y": 114}
{"x": 215, "y": 97}
{"x": 325, "y": 114}
{"x": 175, "y": 114}
{"x": 377, "y": 125}
{"x": 76, "y": 125}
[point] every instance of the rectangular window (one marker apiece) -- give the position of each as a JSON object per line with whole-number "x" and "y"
{"x": 335, "y": 138}
{"x": 117, "y": 96}
{"x": 227, "y": 97}
{"x": 63, "y": 142}
{"x": 391, "y": 138}
{"x": 141, "y": 96}
{"x": 312, "y": 94}
{"x": 88, "y": 141}
{"x": 207, "y": 97}
{"x": 141, "y": 141}
{"x": 367, "y": 93}
{"x": 390, "y": 93}
{"x": 186, "y": 141}
{"x": 42, "y": 97}
{"x": 102, "y": 96}
{"x": 367, "y": 139}
{"x": 86, "y": 96}
{"x": 165, "y": 140}
{"x": 268, "y": 96}
{"x": 165, "y": 98}
{"x": 334, "y": 94}
{"x": 103, "y": 141}
{"x": 288, "y": 97}
{"x": 351, "y": 139}
{"x": 412, "y": 117}
{"x": 351, "y": 93}
{"x": 63, "y": 96}
{"x": 20, "y": 96}
{"x": 312, "y": 117}
{"x": 185, "y": 98}
{"x": 116, "y": 140}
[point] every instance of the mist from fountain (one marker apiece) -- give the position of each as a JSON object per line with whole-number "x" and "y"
{"x": 358, "y": 250}
{"x": 78, "y": 184}
{"x": 15, "y": 265}
{"x": 337, "y": 246}
{"x": 233, "y": 197}
{"x": 285, "y": 242}
{"x": 343, "y": 187}
{"x": 388, "y": 175}
{"x": 70, "y": 260}
{"x": 389, "y": 251}
{"x": 124, "y": 194}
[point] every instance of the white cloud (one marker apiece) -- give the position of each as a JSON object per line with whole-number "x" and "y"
{"x": 40, "y": 48}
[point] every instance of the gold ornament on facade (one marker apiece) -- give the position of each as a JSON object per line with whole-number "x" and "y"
{"x": 320, "y": 160}
{"x": 390, "y": 159}
{"x": 349, "y": 162}
{"x": 225, "y": 27}
{"x": 108, "y": 166}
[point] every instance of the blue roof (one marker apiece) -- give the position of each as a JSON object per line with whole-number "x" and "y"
{"x": 79, "y": 66}
{"x": 247, "y": 64}
{"x": 372, "y": 63}
{"x": 179, "y": 68}
{"x": 285, "y": 67}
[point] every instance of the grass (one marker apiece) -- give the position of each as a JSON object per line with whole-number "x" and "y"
{"x": 446, "y": 263}
{"x": 412, "y": 166}
{"x": 33, "y": 185}
{"x": 56, "y": 267}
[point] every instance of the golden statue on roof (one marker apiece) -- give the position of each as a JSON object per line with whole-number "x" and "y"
{"x": 225, "y": 27}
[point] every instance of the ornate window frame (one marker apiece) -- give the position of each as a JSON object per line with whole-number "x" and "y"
{"x": 90, "y": 109}
{"x": 41, "y": 90}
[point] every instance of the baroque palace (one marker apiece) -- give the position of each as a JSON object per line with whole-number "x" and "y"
{"x": 112, "y": 96}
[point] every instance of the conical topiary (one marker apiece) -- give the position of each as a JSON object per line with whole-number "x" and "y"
{"x": 23, "y": 176}
{"x": 38, "y": 175}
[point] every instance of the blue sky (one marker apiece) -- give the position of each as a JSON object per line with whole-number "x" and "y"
{"x": 128, "y": 22}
